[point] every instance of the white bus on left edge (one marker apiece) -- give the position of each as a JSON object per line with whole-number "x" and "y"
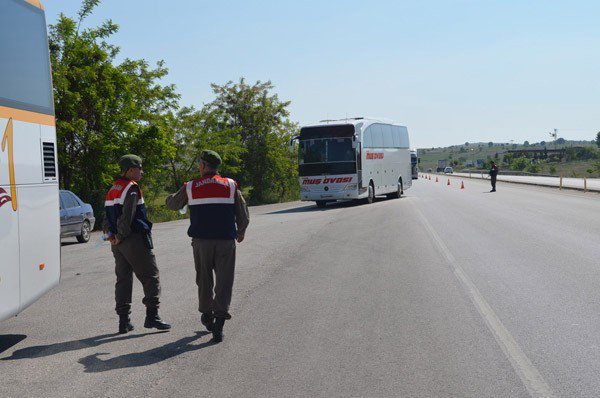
{"x": 29, "y": 207}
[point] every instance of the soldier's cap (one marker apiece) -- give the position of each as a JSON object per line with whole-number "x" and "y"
{"x": 130, "y": 160}
{"x": 211, "y": 157}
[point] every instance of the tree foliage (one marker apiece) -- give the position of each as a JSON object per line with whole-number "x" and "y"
{"x": 261, "y": 120}
{"x": 103, "y": 109}
{"x": 195, "y": 130}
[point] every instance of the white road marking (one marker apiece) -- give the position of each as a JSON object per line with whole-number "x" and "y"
{"x": 530, "y": 376}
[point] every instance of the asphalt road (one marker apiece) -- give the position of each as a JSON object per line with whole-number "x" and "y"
{"x": 442, "y": 293}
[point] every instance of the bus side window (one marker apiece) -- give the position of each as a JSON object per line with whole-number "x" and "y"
{"x": 388, "y": 141}
{"x": 396, "y": 136}
{"x": 403, "y": 137}
{"x": 367, "y": 138}
{"x": 377, "y": 139}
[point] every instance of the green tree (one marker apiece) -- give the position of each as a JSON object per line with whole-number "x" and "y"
{"x": 598, "y": 139}
{"x": 265, "y": 130}
{"x": 104, "y": 109}
{"x": 195, "y": 130}
{"x": 533, "y": 167}
{"x": 520, "y": 163}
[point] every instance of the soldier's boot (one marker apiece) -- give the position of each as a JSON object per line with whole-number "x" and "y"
{"x": 125, "y": 324}
{"x": 154, "y": 321}
{"x": 217, "y": 330}
{"x": 208, "y": 320}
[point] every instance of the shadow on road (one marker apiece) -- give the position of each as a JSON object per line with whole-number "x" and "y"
{"x": 10, "y": 340}
{"x": 94, "y": 364}
{"x": 332, "y": 205}
{"x": 53, "y": 349}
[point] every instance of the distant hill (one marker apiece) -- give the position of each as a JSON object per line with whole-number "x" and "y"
{"x": 467, "y": 154}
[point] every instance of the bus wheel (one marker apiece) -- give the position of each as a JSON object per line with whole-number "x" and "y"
{"x": 321, "y": 203}
{"x": 85, "y": 232}
{"x": 398, "y": 193}
{"x": 371, "y": 196}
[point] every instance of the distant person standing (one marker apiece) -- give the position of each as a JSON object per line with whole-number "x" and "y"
{"x": 129, "y": 233}
{"x": 493, "y": 175}
{"x": 218, "y": 218}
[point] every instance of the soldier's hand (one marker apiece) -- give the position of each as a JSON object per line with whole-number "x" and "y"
{"x": 114, "y": 240}
{"x": 240, "y": 238}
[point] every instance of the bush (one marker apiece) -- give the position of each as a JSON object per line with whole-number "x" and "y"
{"x": 534, "y": 168}
{"x": 520, "y": 164}
{"x": 160, "y": 213}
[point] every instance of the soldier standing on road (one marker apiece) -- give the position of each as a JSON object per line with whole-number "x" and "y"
{"x": 129, "y": 233}
{"x": 218, "y": 217}
{"x": 493, "y": 174}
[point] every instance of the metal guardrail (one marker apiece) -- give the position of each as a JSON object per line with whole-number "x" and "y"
{"x": 508, "y": 173}
{"x": 581, "y": 184}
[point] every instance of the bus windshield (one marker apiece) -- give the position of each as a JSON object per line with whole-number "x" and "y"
{"x": 326, "y": 150}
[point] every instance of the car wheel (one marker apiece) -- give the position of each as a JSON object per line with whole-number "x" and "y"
{"x": 85, "y": 232}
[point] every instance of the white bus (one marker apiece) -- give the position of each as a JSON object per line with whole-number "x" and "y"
{"x": 414, "y": 163}
{"x": 356, "y": 158}
{"x": 29, "y": 208}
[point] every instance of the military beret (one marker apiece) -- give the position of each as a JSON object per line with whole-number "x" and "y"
{"x": 211, "y": 157}
{"x": 128, "y": 161}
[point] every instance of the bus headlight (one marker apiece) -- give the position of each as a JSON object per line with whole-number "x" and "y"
{"x": 304, "y": 189}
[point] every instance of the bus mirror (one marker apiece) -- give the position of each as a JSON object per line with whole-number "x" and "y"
{"x": 293, "y": 144}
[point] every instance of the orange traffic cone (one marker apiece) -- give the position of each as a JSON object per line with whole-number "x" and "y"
{"x": 448, "y": 181}
{"x": 462, "y": 185}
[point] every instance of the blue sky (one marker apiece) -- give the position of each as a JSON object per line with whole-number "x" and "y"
{"x": 452, "y": 71}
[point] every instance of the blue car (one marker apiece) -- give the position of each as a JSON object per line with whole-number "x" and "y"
{"x": 76, "y": 217}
